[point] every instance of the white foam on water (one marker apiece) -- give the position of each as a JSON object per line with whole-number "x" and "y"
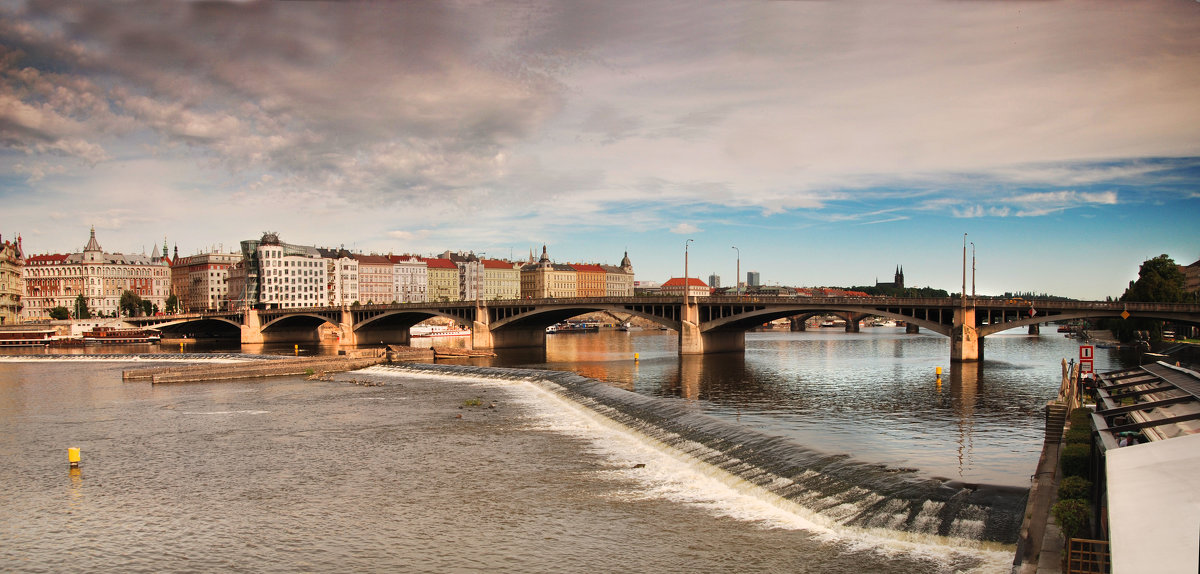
{"x": 671, "y": 474}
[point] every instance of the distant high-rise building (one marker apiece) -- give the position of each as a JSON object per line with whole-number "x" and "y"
{"x": 752, "y": 279}
{"x": 714, "y": 281}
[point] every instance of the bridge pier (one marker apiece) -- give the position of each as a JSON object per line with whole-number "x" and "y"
{"x": 852, "y": 320}
{"x": 1035, "y": 329}
{"x": 252, "y": 328}
{"x": 483, "y": 337}
{"x": 911, "y": 328}
{"x": 693, "y": 341}
{"x": 346, "y": 334}
{"x": 798, "y": 323}
{"x": 965, "y": 343}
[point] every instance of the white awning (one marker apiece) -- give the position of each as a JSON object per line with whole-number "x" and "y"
{"x": 1154, "y": 506}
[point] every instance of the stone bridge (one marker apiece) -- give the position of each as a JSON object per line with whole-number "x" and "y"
{"x": 704, "y": 325}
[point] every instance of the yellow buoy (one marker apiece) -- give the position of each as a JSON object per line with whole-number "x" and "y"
{"x": 635, "y": 357}
{"x": 73, "y": 456}
{"x": 939, "y": 371}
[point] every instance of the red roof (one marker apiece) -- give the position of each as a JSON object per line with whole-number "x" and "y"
{"x": 439, "y": 263}
{"x": 678, "y": 282}
{"x": 588, "y": 267}
{"x": 373, "y": 259}
{"x": 497, "y": 264}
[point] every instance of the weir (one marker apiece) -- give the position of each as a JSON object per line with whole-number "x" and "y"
{"x": 834, "y": 486}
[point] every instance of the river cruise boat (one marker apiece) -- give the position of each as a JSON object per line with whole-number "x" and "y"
{"x": 26, "y": 337}
{"x": 573, "y": 327}
{"x": 114, "y": 336}
{"x": 437, "y": 331}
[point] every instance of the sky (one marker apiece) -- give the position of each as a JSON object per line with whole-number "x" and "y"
{"x": 817, "y": 143}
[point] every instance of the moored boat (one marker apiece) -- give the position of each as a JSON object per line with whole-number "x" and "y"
{"x": 115, "y": 335}
{"x": 437, "y": 331}
{"x": 573, "y": 327}
{"x": 26, "y": 337}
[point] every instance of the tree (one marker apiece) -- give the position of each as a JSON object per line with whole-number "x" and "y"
{"x": 81, "y": 308}
{"x": 172, "y": 304}
{"x": 59, "y": 313}
{"x": 130, "y": 303}
{"x": 1159, "y": 281}
{"x": 149, "y": 308}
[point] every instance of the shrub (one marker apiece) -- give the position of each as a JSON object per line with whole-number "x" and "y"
{"x": 1076, "y": 460}
{"x": 1078, "y": 435}
{"x": 1074, "y": 488}
{"x": 1071, "y": 516}
{"x": 1081, "y": 418}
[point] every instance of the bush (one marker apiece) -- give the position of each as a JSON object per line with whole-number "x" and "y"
{"x": 1076, "y": 460}
{"x": 1081, "y": 418}
{"x": 1078, "y": 435}
{"x": 1075, "y": 488}
{"x": 1072, "y": 517}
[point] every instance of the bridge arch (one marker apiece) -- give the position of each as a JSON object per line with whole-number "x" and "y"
{"x": 750, "y": 319}
{"x": 544, "y": 316}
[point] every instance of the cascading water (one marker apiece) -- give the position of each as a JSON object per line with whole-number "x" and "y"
{"x": 834, "y": 487}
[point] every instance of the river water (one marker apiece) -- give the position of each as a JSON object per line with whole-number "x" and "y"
{"x": 408, "y": 470}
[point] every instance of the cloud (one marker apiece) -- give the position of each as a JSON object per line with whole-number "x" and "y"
{"x": 530, "y": 114}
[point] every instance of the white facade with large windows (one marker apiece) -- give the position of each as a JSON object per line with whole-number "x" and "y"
{"x": 282, "y": 276}
{"x": 411, "y": 278}
{"x": 341, "y": 273}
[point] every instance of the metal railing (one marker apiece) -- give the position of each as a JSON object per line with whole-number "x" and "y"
{"x": 1088, "y": 556}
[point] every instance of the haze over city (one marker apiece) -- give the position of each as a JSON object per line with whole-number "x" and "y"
{"x": 829, "y": 142}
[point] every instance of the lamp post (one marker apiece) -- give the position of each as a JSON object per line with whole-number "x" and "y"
{"x": 737, "y": 278}
{"x": 685, "y": 271}
{"x": 972, "y": 274}
{"x": 963, "y": 297}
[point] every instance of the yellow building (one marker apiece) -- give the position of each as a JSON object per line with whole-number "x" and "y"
{"x": 443, "y": 280}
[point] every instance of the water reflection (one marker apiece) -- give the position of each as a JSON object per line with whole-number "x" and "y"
{"x": 964, "y": 388}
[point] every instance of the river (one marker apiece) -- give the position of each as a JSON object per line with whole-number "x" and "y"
{"x": 402, "y": 470}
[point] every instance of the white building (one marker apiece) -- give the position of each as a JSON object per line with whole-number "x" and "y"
{"x": 281, "y": 275}
{"x": 58, "y": 280}
{"x": 341, "y": 276}
{"x": 411, "y": 278}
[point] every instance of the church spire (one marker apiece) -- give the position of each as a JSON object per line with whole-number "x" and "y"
{"x": 92, "y": 244}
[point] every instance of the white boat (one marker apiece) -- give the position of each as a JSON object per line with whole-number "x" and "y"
{"x": 432, "y": 331}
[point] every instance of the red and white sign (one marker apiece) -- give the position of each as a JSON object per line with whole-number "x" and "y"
{"x": 1085, "y": 366}
{"x": 1085, "y": 352}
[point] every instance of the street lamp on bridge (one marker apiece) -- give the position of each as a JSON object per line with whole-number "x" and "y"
{"x": 737, "y": 278}
{"x": 972, "y": 273}
{"x": 685, "y": 270}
